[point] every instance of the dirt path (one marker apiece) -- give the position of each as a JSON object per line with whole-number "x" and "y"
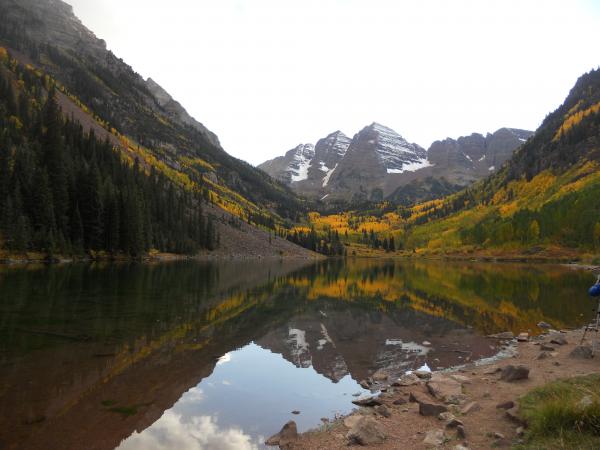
{"x": 406, "y": 428}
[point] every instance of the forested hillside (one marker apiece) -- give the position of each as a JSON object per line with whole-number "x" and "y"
{"x": 63, "y": 190}
{"x": 546, "y": 198}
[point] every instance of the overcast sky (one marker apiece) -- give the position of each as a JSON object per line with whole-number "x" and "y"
{"x": 266, "y": 75}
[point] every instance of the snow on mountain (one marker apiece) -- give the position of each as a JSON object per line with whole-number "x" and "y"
{"x": 301, "y": 161}
{"x": 396, "y": 154}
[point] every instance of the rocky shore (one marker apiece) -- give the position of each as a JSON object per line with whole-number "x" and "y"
{"x": 470, "y": 407}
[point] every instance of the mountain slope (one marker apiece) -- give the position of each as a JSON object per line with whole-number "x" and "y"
{"x": 47, "y": 35}
{"x": 545, "y": 196}
{"x": 48, "y": 54}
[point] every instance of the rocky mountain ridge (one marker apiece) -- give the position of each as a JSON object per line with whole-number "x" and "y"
{"x": 378, "y": 163}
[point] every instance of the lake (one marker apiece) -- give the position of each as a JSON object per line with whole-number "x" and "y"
{"x": 218, "y": 355}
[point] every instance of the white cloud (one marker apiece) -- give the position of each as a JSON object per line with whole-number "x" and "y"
{"x": 171, "y": 431}
{"x": 268, "y": 74}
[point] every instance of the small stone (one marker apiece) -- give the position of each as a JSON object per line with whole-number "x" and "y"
{"x": 366, "y": 431}
{"x": 460, "y": 378}
{"x": 296, "y": 412}
{"x": 426, "y": 343}
{"x": 423, "y": 374}
{"x": 288, "y": 433}
{"x": 446, "y": 415}
{"x": 512, "y": 414}
{"x": 365, "y": 384}
{"x": 383, "y": 410}
{"x": 492, "y": 370}
{"x": 544, "y": 325}
{"x": 408, "y": 379}
{"x": 357, "y": 394}
{"x": 547, "y": 348}
{"x": 470, "y": 408}
{"x": 543, "y": 355}
{"x": 514, "y": 373}
{"x": 399, "y": 401}
{"x": 506, "y": 405}
{"x": 369, "y": 401}
{"x": 460, "y": 447}
{"x": 582, "y": 352}
{"x": 498, "y": 435}
{"x": 556, "y": 363}
{"x": 454, "y": 423}
{"x": 523, "y": 337}
{"x": 460, "y": 432}
{"x": 520, "y": 431}
{"x": 434, "y": 438}
{"x": 487, "y": 394}
{"x": 558, "y": 339}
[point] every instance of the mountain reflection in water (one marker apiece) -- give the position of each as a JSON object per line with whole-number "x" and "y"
{"x": 216, "y": 355}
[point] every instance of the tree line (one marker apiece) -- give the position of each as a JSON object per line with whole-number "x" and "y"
{"x": 63, "y": 190}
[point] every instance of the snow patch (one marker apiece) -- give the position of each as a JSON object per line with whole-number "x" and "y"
{"x": 328, "y": 176}
{"x": 491, "y": 168}
{"x": 325, "y": 196}
{"x": 411, "y": 166}
{"x": 302, "y": 173}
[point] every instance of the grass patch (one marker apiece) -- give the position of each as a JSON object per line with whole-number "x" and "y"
{"x": 564, "y": 414}
{"x": 108, "y": 403}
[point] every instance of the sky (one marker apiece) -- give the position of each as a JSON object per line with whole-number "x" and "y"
{"x": 267, "y": 75}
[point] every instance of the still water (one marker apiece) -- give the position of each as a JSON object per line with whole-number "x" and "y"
{"x": 217, "y": 355}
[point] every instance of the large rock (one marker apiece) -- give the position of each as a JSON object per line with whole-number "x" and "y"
{"x": 558, "y": 339}
{"x": 445, "y": 389}
{"x": 287, "y": 435}
{"x": 430, "y": 408}
{"x": 366, "y": 432}
{"x": 427, "y": 406}
{"x": 434, "y": 438}
{"x": 514, "y": 373}
{"x": 582, "y": 352}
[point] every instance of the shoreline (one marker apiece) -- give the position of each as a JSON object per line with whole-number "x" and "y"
{"x": 479, "y": 393}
